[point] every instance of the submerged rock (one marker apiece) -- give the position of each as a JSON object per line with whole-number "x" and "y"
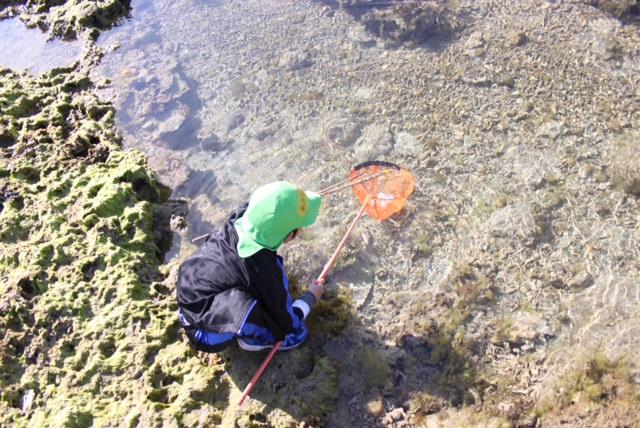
{"x": 340, "y": 129}
{"x": 406, "y": 144}
{"x": 375, "y": 141}
{"x": 294, "y": 60}
{"x": 414, "y": 23}
{"x": 513, "y": 220}
{"x": 624, "y": 163}
{"x": 621, "y": 9}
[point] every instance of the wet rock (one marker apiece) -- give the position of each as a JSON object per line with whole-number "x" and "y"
{"x": 340, "y": 130}
{"x": 295, "y": 60}
{"x": 66, "y": 19}
{"x": 513, "y": 220}
{"x": 97, "y": 263}
{"x": 406, "y": 144}
{"x": 375, "y": 141}
{"x": 581, "y": 280}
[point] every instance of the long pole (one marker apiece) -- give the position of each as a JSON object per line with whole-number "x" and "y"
{"x": 320, "y": 280}
{"x": 351, "y": 182}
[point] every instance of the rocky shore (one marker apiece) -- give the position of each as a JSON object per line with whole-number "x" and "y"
{"x": 67, "y": 18}
{"x": 505, "y": 295}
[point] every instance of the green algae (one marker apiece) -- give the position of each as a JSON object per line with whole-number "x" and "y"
{"x": 299, "y": 386}
{"x": 451, "y": 350}
{"x": 87, "y": 331}
{"x": 599, "y": 386}
{"x": 375, "y": 370}
{"x": 68, "y": 18}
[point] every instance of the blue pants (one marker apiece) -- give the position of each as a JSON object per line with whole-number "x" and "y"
{"x": 254, "y": 330}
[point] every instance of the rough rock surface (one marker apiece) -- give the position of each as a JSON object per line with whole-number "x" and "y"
{"x": 67, "y": 18}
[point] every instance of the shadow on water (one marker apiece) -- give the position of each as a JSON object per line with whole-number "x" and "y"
{"x": 346, "y": 375}
{"x": 186, "y": 136}
{"x": 409, "y": 24}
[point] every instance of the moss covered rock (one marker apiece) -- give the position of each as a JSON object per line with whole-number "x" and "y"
{"x": 88, "y": 326}
{"x": 67, "y": 18}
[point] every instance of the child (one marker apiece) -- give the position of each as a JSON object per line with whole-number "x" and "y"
{"x": 235, "y": 286}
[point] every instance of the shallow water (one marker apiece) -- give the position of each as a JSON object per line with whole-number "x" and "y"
{"x": 225, "y": 96}
{"x": 199, "y": 99}
{"x": 22, "y": 48}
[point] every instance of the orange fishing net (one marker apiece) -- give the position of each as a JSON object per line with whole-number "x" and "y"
{"x": 387, "y": 186}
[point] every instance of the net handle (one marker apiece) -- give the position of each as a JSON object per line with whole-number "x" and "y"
{"x": 350, "y": 182}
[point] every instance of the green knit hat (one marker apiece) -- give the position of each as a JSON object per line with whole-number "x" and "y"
{"x": 275, "y": 210}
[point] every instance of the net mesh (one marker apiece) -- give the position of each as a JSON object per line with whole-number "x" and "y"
{"x": 387, "y": 185}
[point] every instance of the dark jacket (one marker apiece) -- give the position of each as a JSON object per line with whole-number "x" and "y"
{"x": 217, "y": 288}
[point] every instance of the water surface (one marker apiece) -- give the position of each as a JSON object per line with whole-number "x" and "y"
{"x": 23, "y": 48}
{"x": 226, "y": 96}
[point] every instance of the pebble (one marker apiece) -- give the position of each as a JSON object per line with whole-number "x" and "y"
{"x": 550, "y": 130}
{"x": 27, "y": 400}
{"x": 475, "y": 40}
{"x": 231, "y": 121}
{"x": 512, "y": 220}
{"x": 585, "y": 171}
{"x": 395, "y": 415}
{"x": 375, "y": 407}
{"x": 294, "y": 61}
{"x": 518, "y": 39}
{"x": 406, "y": 144}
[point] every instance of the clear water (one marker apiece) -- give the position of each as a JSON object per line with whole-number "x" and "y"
{"x": 22, "y": 48}
{"x": 225, "y": 96}
{"x": 203, "y": 89}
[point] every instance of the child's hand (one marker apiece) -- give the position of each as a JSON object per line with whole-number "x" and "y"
{"x": 316, "y": 290}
